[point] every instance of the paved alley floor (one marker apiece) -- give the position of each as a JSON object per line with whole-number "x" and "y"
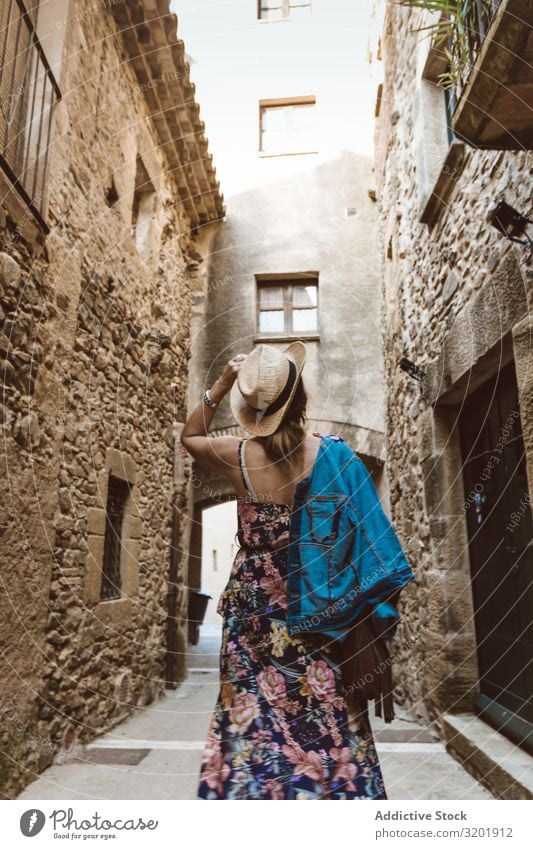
{"x": 156, "y": 753}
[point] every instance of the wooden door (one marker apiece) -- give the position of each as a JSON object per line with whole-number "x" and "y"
{"x": 500, "y": 531}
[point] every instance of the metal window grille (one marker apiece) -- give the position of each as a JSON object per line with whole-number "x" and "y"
{"x": 117, "y": 496}
{"x": 28, "y": 94}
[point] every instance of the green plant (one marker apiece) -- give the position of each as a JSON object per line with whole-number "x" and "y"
{"x": 458, "y": 31}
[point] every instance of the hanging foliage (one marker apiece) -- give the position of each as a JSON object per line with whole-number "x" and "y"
{"x": 459, "y": 31}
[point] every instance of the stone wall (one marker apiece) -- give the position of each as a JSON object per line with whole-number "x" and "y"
{"x": 29, "y": 472}
{"x": 453, "y": 290}
{"x": 95, "y": 334}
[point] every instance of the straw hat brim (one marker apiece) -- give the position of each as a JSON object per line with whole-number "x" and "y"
{"x": 247, "y": 417}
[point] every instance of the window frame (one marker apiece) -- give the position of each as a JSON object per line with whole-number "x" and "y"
{"x": 144, "y": 209}
{"x": 287, "y": 282}
{"x": 285, "y": 6}
{"x": 121, "y": 465}
{"x": 283, "y": 103}
{"x": 111, "y": 587}
{"x": 438, "y": 196}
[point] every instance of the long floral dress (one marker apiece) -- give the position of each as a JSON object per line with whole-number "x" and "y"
{"x": 280, "y": 728}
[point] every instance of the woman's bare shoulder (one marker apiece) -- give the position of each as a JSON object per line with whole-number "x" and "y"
{"x": 218, "y": 454}
{"x": 257, "y": 441}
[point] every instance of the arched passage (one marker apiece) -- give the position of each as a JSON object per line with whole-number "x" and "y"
{"x": 209, "y": 492}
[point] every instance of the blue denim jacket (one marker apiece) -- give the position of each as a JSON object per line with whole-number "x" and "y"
{"x": 343, "y": 552}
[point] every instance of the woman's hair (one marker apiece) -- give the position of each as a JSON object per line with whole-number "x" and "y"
{"x": 285, "y": 445}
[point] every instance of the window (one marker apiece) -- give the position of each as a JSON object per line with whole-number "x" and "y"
{"x": 280, "y": 10}
{"x": 143, "y": 210}
{"x": 117, "y": 496}
{"x": 440, "y": 154}
{"x": 287, "y": 126}
{"x": 435, "y": 72}
{"x": 287, "y": 307}
{"x": 114, "y": 532}
{"x": 450, "y": 102}
{"x": 215, "y": 559}
{"x": 28, "y": 94}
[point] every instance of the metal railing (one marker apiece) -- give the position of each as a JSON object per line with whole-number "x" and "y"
{"x": 28, "y": 94}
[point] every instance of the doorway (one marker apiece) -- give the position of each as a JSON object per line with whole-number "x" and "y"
{"x": 219, "y": 545}
{"x": 500, "y": 534}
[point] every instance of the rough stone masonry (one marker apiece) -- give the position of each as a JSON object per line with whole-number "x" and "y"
{"x": 454, "y": 291}
{"x": 94, "y": 348}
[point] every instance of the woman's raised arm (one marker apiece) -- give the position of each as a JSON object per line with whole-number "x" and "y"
{"x": 215, "y": 453}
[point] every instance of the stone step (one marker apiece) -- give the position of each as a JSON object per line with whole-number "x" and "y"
{"x": 497, "y": 763}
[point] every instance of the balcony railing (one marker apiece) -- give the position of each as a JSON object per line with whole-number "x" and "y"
{"x": 28, "y": 94}
{"x": 493, "y": 75}
{"x": 470, "y": 37}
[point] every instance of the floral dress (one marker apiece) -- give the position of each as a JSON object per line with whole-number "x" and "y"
{"x": 280, "y": 728}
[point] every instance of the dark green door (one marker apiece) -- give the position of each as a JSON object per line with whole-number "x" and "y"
{"x": 500, "y": 531}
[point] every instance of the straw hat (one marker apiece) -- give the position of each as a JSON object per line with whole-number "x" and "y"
{"x": 265, "y": 386}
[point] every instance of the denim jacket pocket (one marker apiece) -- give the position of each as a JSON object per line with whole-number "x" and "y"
{"x": 314, "y": 585}
{"x": 324, "y": 516}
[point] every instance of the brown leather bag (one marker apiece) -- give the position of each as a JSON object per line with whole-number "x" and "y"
{"x": 365, "y": 664}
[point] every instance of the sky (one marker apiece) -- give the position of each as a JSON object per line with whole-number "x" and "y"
{"x": 233, "y": 58}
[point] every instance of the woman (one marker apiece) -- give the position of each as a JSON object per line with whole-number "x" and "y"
{"x": 281, "y": 728}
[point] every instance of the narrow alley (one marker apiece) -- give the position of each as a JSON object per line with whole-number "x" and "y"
{"x": 156, "y": 754}
{"x": 196, "y": 201}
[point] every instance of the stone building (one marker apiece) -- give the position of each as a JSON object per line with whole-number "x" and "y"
{"x": 454, "y": 183}
{"x": 296, "y": 256}
{"x": 105, "y": 180}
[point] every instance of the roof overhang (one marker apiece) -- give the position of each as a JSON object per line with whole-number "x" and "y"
{"x": 157, "y": 56}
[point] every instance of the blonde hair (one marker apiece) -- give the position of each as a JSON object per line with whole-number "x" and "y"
{"x": 285, "y": 445}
